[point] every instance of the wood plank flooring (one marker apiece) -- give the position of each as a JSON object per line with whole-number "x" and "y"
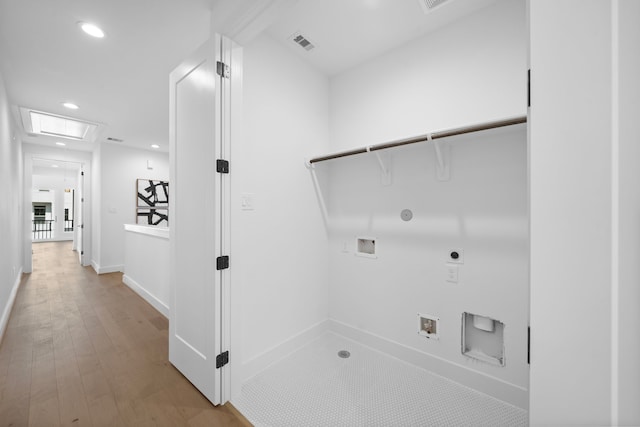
{"x": 84, "y": 350}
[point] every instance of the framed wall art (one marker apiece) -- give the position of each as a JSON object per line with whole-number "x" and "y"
{"x": 152, "y": 202}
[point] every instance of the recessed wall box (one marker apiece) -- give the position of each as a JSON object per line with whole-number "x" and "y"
{"x": 429, "y": 326}
{"x": 366, "y": 247}
{"x": 483, "y": 339}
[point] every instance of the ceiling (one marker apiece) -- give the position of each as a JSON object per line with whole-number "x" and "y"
{"x": 347, "y": 33}
{"x": 121, "y": 81}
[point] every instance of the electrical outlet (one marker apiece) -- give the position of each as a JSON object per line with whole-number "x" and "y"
{"x": 452, "y": 273}
{"x": 246, "y": 201}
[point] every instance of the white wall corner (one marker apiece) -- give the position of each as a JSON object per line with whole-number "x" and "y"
{"x": 262, "y": 361}
{"x": 108, "y": 269}
{"x": 243, "y": 21}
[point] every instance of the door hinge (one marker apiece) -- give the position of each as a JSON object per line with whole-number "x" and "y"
{"x": 222, "y": 359}
{"x": 82, "y": 173}
{"x": 222, "y": 166}
{"x": 222, "y": 262}
{"x": 529, "y": 87}
{"x": 81, "y": 225}
{"x": 81, "y": 252}
{"x": 82, "y": 200}
{"x": 529, "y": 345}
{"x": 222, "y": 70}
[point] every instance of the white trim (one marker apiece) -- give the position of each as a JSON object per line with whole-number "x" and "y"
{"x": 495, "y": 387}
{"x": 162, "y": 232}
{"x": 234, "y": 287}
{"x": 108, "y": 269}
{"x": 265, "y": 359}
{"x": 7, "y": 308}
{"x": 146, "y": 295}
{"x": 615, "y": 212}
{"x": 243, "y": 23}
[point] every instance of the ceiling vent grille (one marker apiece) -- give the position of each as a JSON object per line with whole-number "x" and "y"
{"x": 302, "y": 41}
{"x": 429, "y": 5}
{"x": 112, "y": 139}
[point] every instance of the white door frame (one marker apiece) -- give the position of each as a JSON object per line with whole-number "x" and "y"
{"x": 31, "y": 151}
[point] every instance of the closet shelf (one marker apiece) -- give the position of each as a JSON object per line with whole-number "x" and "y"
{"x": 422, "y": 138}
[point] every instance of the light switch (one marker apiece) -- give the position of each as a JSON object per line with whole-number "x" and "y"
{"x": 452, "y": 273}
{"x": 246, "y": 201}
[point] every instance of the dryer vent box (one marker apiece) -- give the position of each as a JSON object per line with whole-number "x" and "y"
{"x": 366, "y": 247}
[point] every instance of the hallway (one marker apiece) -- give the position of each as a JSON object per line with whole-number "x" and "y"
{"x": 83, "y": 349}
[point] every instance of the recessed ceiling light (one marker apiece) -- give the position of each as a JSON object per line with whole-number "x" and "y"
{"x": 54, "y": 166}
{"x": 155, "y": 146}
{"x": 91, "y": 29}
{"x": 62, "y": 144}
{"x": 70, "y": 105}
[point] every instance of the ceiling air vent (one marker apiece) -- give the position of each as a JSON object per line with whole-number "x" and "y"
{"x": 111, "y": 139}
{"x": 429, "y": 5}
{"x": 302, "y": 41}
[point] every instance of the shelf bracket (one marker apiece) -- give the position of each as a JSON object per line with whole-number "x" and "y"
{"x": 316, "y": 185}
{"x": 384, "y": 162}
{"x": 443, "y": 159}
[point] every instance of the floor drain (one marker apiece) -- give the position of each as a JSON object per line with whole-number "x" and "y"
{"x": 344, "y": 354}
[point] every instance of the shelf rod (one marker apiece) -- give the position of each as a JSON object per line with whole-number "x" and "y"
{"x": 423, "y": 138}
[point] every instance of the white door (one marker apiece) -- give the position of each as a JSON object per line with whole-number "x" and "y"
{"x": 78, "y": 222}
{"x": 196, "y": 219}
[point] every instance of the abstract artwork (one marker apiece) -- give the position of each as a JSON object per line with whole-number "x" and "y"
{"x": 152, "y": 202}
{"x": 153, "y": 217}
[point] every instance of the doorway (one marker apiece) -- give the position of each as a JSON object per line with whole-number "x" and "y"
{"x": 53, "y": 199}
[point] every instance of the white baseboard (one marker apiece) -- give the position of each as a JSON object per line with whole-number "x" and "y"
{"x": 146, "y": 295}
{"x": 4, "y": 321}
{"x": 109, "y": 269}
{"x": 55, "y": 239}
{"x": 505, "y": 391}
{"x": 262, "y": 361}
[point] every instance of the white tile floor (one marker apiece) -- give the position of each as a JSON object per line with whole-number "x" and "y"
{"x": 314, "y": 387}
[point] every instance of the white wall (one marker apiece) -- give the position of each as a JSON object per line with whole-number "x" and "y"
{"x": 11, "y": 210}
{"x": 482, "y": 210}
{"x": 119, "y": 168}
{"x": 147, "y": 264}
{"x": 58, "y": 181}
{"x": 279, "y": 249}
{"x": 629, "y": 211}
{"x": 471, "y": 71}
{"x": 96, "y": 208}
{"x": 584, "y": 213}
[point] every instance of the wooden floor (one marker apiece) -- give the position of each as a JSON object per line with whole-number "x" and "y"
{"x": 82, "y": 349}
